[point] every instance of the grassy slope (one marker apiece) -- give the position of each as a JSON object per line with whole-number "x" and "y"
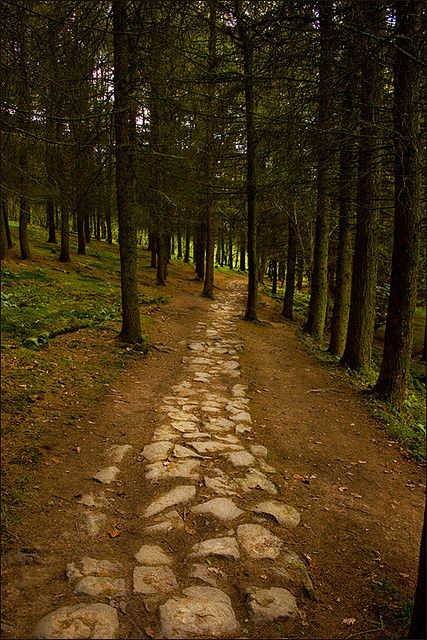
{"x": 59, "y": 340}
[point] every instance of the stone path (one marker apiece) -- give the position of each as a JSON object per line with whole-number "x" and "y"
{"x": 216, "y": 490}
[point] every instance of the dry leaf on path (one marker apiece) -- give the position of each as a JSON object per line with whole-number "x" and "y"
{"x": 114, "y": 533}
{"x": 342, "y": 489}
{"x": 349, "y": 621}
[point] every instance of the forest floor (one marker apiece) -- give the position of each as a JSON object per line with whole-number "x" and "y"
{"x": 359, "y": 495}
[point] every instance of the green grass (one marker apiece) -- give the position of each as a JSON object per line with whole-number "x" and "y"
{"x": 52, "y": 368}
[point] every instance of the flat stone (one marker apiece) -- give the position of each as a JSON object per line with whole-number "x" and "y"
{"x": 258, "y": 542}
{"x": 230, "y": 365}
{"x": 258, "y": 450}
{"x": 225, "y": 547}
{"x": 267, "y": 605}
{"x": 241, "y": 458}
{"x": 255, "y": 479}
{"x": 211, "y": 446}
{"x": 152, "y": 555}
{"x": 203, "y": 612}
{"x": 92, "y": 567}
{"x": 185, "y": 416}
{"x": 107, "y": 475}
{"x": 172, "y": 520}
{"x": 205, "y": 573}
{"x": 196, "y": 434}
{"x": 196, "y": 346}
{"x": 174, "y": 469}
{"x": 90, "y": 500}
{"x": 165, "y": 433}
{"x": 154, "y": 580}
{"x": 219, "y": 424}
{"x": 80, "y": 621}
{"x": 202, "y": 377}
{"x": 94, "y": 522}
{"x": 241, "y": 417}
{"x": 284, "y": 514}
{"x": 239, "y": 390}
{"x": 178, "y": 495}
{"x": 96, "y": 586}
{"x": 221, "y": 485}
{"x": 207, "y": 408}
{"x": 266, "y": 468}
{"x": 228, "y": 438}
{"x": 243, "y": 428}
{"x": 157, "y": 451}
{"x": 117, "y": 452}
{"x": 184, "y": 425}
{"x": 184, "y": 452}
{"x": 221, "y": 508}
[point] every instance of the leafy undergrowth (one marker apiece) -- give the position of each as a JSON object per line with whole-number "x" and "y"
{"x": 60, "y": 324}
{"x": 408, "y": 427}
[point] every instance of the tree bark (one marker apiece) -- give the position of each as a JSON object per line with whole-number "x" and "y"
{"x": 358, "y": 349}
{"x": 417, "y": 628}
{"x": 64, "y": 255}
{"x": 392, "y": 380}
{"x": 251, "y": 180}
{"x": 341, "y": 308}
{"x": 315, "y": 323}
{"x": 208, "y": 284}
{"x": 288, "y": 301}
{"x": 131, "y": 322}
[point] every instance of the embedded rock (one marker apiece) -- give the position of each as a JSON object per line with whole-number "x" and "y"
{"x": 202, "y": 612}
{"x": 267, "y": 605}
{"x": 80, "y": 621}
{"x": 258, "y": 542}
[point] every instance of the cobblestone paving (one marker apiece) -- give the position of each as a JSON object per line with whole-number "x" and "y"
{"x": 207, "y": 469}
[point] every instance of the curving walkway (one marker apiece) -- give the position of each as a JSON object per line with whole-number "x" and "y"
{"x": 215, "y": 490}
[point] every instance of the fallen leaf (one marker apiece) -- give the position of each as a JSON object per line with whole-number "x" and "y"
{"x": 311, "y": 563}
{"x": 362, "y": 461}
{"x": 356, "y": 495}
{"x": 349, "y": 621}
{"x": 114, "y": 533}
{"x": 78, "y": 449}
{"x": 404, "y": 575}
{"x": 342, "y": 489}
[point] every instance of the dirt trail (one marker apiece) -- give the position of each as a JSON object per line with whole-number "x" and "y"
{"x": 227, "y": 486}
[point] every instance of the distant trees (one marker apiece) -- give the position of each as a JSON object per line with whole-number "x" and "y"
{"x": 256, "y": 134}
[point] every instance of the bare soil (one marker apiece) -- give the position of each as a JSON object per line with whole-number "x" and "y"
{"x": 360, "y": 496}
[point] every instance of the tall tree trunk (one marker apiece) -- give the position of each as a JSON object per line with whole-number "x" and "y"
{"x": 161, "y": 259}
{"x": 358, "y": 349}
{"x": 4, "y": 247}
{"x": 24, "y": 216}
{"x": 417, "y": 628}
{"x": 64, "y": 255}
{"x": 50, "y": 221}
{"x": 341, "y": 309}
{"x": 315, "y": 323}
{"x": 131, "y": 322}
{"x": 251, "y": 181}
{"x": 274, "y": 277}
{"x": 391, "y": 383}
{"x": 208, "y": 284}
{"x": 242, "y": 266}
{"x": 187, "y": 247}
{"x": 288, "y": 301}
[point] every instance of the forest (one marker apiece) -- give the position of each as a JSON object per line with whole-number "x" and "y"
{"x": 288, "y": 135}
{"x": 279, "y": 142}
